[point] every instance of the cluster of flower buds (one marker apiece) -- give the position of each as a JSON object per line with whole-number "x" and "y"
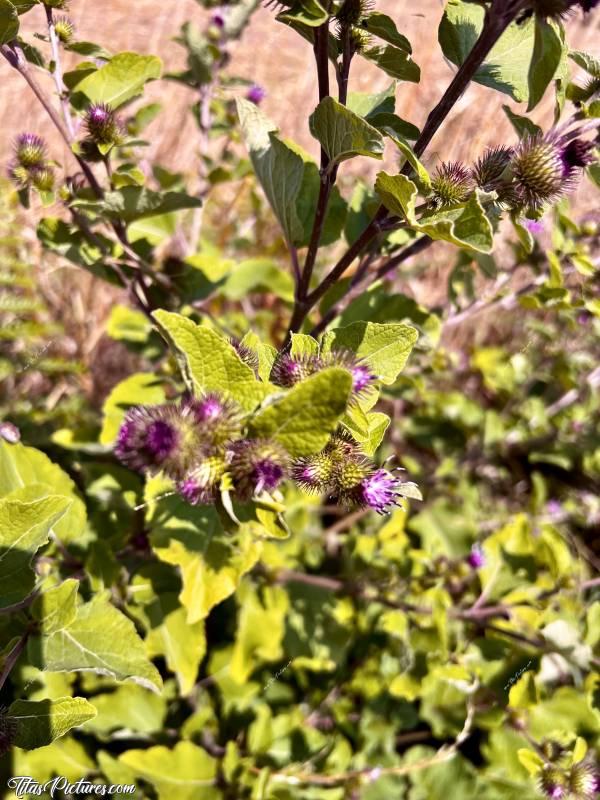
{"x": 289, "y": 370}
{"x": 196, "y": 443}
{"x": 537, "y": 171}
{"x": 578, "y": 782}
{"x": 104, "y": 129}
{"x": 343, "y": 471}
{"x": 199, "y": 444}
{"x": 31, "y": 166}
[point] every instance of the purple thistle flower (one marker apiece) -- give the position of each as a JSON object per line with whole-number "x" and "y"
{"x": 575, "y": 155}
{"x": 289, "y": 370}
{"x": 362, "y": 377}
{"x": 102, "y": 124}
{"x": 200, "y": 485}
{"x": 256, "y": 94}
{"x": 476, "y": 558}
{"x": 217, "y": 416}
{"x": 313, "y": 473}
{"x": 30, "y": 150}
{"x": 218, "y": 20}
{"x": 256, "y": 465}
{"x": 158, "y": 437}
{"x": 379, "y": 491}
{"x": 247, "y": 354}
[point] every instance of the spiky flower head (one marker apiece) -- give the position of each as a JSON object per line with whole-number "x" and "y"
{"x": 256, "y": 94}
{"x": 352, "y": 12}
{"x": 218, "y": 417}
{"x": 378, "y": 490}
{"x": 42, "y": 178}
{"x": 489, "y": 168}
{"x": 8, "y": 731}
{"x": 583, "y": 780}
{"x": 65, "y": 30}
{"x": 451, "y": 184}
{"x": 314, "y": 473}
{"x": 19, "y": 175}
{"x": 200, "y": 485}
{"x": 256, "y": 465}
{"x": 30, "y": 150}
{"x": 103, "y": 125}
{"x": 158, "y": 437}
{"x": 248, "y": 356}
{"x": 289, "y": 370}
{"x": 553, "y": 782}
{"x": 362, "y": 376}
{"x": 538, "y": 170}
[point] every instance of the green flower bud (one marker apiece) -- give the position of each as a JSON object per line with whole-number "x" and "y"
{"x": 42, "y": 178}
{"x": 30, "y": 150}
{"x": 65, "y": 29}
{"x": 451, "y": 184}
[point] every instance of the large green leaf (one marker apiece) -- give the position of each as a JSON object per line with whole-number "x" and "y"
{"x": 466, "y": 226}
{"x": 100, "y": 639}
{"x": 191, "y": 538}
{"x": 209, "y": 362}
{"x": 22, "y": 466}
{"x": 24, "y": 527}
{"x": 342, "y": 133}
{"x": 121, "y": 79}
{"x": 396, "y": 62}
{"x": 39, "y": 723}
{"x": 57, "y": 607}
{"x": 182, "y": 644}
{"x": 382, "y": 26}
{"x": 186, "y": 772}
{"x": 549, "y": 52}
{"x": 128, "y": 707}
{"x": 133, "y": 203}
{"x": 260, "y": 630}
{"x": 278, "y": 167}
{"x": 506, "y": 68}
{"x": 9, "y": 21}
{"x": 302, "y": 419}
{"x": 384, "y": 348}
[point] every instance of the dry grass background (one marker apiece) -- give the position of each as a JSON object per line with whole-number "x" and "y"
{"x": 276, "y": 57}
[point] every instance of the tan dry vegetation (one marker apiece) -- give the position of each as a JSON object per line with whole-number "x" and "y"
{"x": 277, "y": 58}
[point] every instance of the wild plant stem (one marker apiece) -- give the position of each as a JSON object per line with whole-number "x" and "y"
{"x": 495, "y": 23}
{"x": 58, "y": 73}
{"x": 15, "y": 57}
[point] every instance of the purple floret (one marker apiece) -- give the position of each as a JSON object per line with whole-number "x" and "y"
{"x": 379, "y": 490}
{"x": 256, "y": 94}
